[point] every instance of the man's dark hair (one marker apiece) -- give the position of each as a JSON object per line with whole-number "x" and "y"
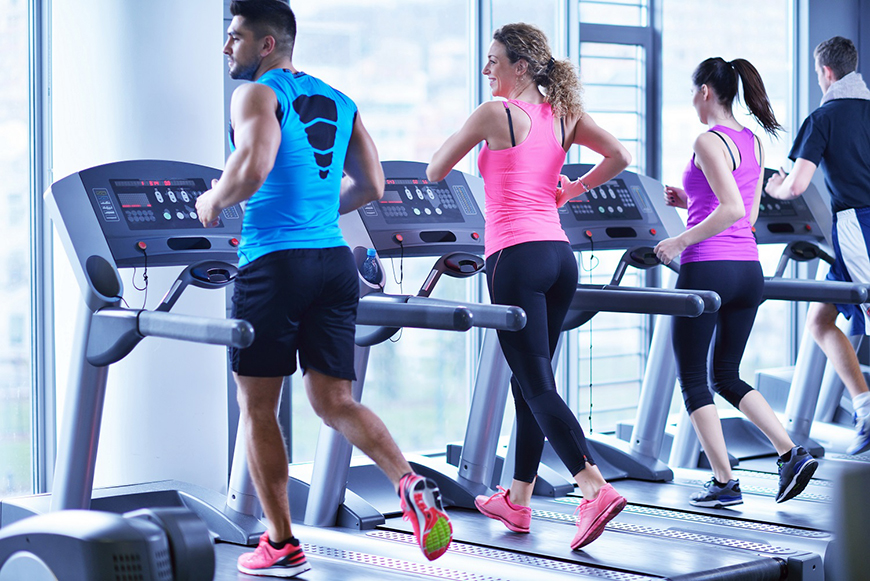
{"x": 839, "y": 54}
{"x": 269, "y": 17}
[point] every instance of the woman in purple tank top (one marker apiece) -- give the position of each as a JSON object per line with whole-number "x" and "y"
{"x": 721, "y": 190}
{"x": 529, "y": 262}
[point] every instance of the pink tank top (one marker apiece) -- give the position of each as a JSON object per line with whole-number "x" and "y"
{"x": 520, "y": 185}
{"x": 735, "y": 242}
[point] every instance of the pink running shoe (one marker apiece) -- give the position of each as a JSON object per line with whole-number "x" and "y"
{"x": 421, "y": 504}
{"x": 265, "y": 560}
{"x": 499, "y": 506}
{"x": 593, "y": 515}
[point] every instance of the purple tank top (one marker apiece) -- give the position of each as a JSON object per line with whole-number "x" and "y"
{"x": 736, "y": 242}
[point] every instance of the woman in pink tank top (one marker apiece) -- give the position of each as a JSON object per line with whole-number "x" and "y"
{"x": 529, "y": 262}
{"x": 722, "y": 189}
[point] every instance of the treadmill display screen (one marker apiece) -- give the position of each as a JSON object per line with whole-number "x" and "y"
{"x": 152, "y": 204}
{"x": 418, "y": 201}
{"x": 611, "y": 201}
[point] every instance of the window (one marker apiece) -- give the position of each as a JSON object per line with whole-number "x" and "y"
{"x": 617, "y": 12}
{"x": 614, "y": 89}
{"x": 615, "y": 44}
{"x": 411, "y": 85}
{"x": 15, "y": 312}
{"x": 543, "y": 14}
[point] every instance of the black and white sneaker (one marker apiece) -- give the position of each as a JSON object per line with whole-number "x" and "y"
{"x": 795, "y": 472}
{"x": 718, "y": 495}
{"x": 861, "y": 442}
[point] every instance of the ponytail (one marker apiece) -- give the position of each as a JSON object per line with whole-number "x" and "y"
{"x": 755, "y": 96}
{"x": 562, "y": 89}
{"x": 723, "y": 78}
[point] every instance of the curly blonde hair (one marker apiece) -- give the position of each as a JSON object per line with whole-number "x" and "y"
{"x": 559, "y": 78}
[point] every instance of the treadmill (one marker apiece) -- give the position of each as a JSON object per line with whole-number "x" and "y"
{"x": 810, "y": 394}
{"x": 649, "y": 542}
{"x": 341, "y": 524}
{"x": 125, "y": 215}
{"x": 758, "y": 518}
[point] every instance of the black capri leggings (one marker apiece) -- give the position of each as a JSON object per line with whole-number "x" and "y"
{"x": 540, "y": 277}
{"x": 740, "y": 284}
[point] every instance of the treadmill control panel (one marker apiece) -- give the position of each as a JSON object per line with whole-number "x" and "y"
{"x": 418, "y": 217}
{"x": 147, "y": 212}
{"x": 784, "y": 221}
{"x": 417, "y": 201}
{"x": 612, "y": 201}
{"x": 627, "y": 211}
{"x": 148, "y": 204}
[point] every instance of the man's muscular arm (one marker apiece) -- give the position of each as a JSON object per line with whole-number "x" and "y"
{"x": 257, "y": 136}
{"x": 363, "y": 180}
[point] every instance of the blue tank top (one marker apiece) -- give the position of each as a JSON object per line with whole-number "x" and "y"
{"x": 297, "y": 205}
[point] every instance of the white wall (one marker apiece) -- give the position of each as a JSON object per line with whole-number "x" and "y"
{"x": 144, "y": 80}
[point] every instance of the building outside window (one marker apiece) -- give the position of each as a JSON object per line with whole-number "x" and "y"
{"x": 15, "y": 312}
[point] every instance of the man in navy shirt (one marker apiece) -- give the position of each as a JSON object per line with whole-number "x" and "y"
{"x": 301, "y": 157}
{"x": 836, "y": 136}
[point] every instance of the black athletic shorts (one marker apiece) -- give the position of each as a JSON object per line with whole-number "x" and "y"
{"x": 299, "y": 301}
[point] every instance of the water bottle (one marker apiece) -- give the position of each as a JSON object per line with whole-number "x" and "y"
{"x": 371, "y": 271}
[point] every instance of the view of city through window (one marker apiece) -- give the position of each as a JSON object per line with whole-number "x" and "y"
{"x": 15, "y": 327}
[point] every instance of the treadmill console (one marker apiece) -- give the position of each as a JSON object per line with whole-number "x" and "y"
{"x": 421, "y": 218}
{"x": 627, "y": 211}
{"x": 146, "y": 212}
{"x": 806, "y": 217}
{"x": 417, "y": 217}
{"x": 136, "y": 214}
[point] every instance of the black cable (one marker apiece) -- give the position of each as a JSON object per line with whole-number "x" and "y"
{"x": 144, "y": 278}
{"x": 395, "y": 338}
{"x": 593, "y": 264}
{"x": 401, "y": 278}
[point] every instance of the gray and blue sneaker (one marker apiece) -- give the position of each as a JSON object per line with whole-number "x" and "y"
{"x": 718, "y": 495}
{"x": 861, "y": 442}
{"x": 796, "y": 468}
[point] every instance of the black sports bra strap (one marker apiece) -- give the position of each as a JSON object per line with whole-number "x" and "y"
{"x": 562, "y": 123}
{"x": 510, "y": 124}
{"x": 733, "y": 161}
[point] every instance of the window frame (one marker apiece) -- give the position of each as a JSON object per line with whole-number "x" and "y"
{"x": 43, "y": 423}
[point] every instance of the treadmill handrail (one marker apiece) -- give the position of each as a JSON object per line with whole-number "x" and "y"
{"x": 822, "y": 291}
{"x": 501, "y": 317}
{"x": 114, "y": 332}
{"x": 388, "y": 313}
{"x": 712, "y": 300}
{"x": 619, "y": 300}
{"x": 213, "y": 331}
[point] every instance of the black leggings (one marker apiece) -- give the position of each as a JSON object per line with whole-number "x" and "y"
{"x": 740, "y": 284}
{"x": 541, "y": 278}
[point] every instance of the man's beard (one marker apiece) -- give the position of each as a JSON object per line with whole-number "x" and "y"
{"x": 245, "y": 73}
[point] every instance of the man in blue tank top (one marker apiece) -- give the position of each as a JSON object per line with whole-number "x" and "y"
{"x": 836, "y": 137}
{"x": 301, "y": 157}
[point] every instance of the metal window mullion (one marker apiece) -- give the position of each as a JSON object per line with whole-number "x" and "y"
{"x": 615, "y": 34}
{"x": 43, "y": 415}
